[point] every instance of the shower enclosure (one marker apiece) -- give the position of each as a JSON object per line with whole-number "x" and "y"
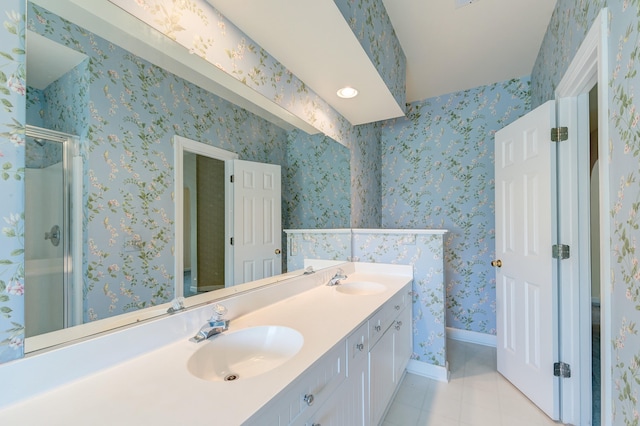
{"x": 53, "y": 237}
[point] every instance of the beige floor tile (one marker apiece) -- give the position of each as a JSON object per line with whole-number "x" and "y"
{"x": 476, "y": 395}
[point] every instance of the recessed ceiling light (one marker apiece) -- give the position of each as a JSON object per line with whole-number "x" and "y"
{"x": 347, "y": 92}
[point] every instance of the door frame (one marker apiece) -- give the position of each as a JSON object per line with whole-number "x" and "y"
{"x": 181, "y": 144}
{"x": 589, "y": 66}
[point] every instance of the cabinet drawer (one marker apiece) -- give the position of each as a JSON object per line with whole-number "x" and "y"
{"x": 385, "y": 316}
{"x": 357, "y": 346}
{"x": 317, "y": 384}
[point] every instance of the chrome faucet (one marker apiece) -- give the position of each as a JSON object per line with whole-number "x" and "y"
{"x": 216, "y": 325}
{"x": 340, "y": 275}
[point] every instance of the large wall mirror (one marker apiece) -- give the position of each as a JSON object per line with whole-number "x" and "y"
{"x": 124, "y": 112}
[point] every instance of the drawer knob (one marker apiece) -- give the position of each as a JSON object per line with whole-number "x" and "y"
{"x": 398, "y": 327}
{"x": 378, "y": 328}
{"x": 397, "y": 307}
{"x": 360, "y": 346}
{"x": 308, "y": 398}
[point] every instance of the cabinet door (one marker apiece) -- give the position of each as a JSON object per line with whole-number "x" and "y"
{"x": 346, "y": 407}
{"x": 381, "y": 375}
{"x": 403, "y": 343}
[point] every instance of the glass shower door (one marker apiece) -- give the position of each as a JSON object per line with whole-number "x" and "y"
{"x": 46, "y": 234}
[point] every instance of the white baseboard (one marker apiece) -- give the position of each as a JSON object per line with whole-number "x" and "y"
{"x": 436, "y": 372}
{"x": 472, "y": 337}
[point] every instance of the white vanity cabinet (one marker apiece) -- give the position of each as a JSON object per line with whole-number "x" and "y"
{"x": 301, "y": 399}
{"x": 390, "y": 353}
{"x": 350, "y": 404}
{"x": 354, "y": 382}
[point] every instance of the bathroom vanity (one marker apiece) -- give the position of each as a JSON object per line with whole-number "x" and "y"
{"x": 313, "y": 354}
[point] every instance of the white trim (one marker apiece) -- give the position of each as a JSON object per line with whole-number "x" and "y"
{"x": 368, "y": 231}
{"x": 589, "y": 66}
{"x": 401, "y": 231}
{"x": 436, "y": 372}
{"x": 317, "y": 231}
{"x": 180, "y": 145}
{"x": 472, "y": 337}
{"x": 76, "y": 235}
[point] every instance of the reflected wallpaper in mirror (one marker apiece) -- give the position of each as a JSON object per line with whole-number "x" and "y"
{"x": 125, "y": 111}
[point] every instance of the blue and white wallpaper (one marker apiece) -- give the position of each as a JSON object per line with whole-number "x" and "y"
{"x": 425, "y": 253}
{"x": 437, "y": 172}
{"x": 12, "y": 158}
{"x": 316, "y": 168}
{"x": 370, "y": 23}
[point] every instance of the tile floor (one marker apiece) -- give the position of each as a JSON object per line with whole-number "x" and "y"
{"x": 476, "y": 395}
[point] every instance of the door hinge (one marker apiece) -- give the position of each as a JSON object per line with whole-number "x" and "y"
{"x": 559, "y": 134}
{"x": 560, "y": 251}
{"x": 231, "y": 178}
{"x": 231, "y": 240}
{"x": 561, "y": 369}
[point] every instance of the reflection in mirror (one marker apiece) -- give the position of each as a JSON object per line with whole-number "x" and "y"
{"x": 125, "y": 110}
{"x": 228, "y": 218}
{"x": 202, "y": 199}
{"x": 203, "y": 224}
{"x": 53, "y": 295}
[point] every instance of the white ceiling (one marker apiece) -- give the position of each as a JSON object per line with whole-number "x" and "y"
{"x": 313, "y": 40}
{"x": 47, "y": 60}
{"x": 448, "y": 48}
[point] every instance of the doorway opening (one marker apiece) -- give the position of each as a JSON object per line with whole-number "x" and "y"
{"x": 583, "y": 221}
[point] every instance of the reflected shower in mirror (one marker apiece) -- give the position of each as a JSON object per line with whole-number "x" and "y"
{"x": 53, "y": 295}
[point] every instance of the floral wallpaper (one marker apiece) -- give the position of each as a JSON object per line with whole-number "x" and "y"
{"x": 316, "y": 167}
{"x": 424, "y": 251}
{"x": 323, "y": 244}
{"x": 437, "y": 172}
{"x": 569, "y": 24}
{"x": 12, "y": 117}
{"x": 370, "y": 23}
{"x": 204, "y": 31}
{"x": 366, "y": 176}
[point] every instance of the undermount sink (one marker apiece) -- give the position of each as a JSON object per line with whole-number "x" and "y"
{"x": 360, "y": 287}
{"x": 244, "y": 353}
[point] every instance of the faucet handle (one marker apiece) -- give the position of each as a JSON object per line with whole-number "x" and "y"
{"x": 219, "y": 311}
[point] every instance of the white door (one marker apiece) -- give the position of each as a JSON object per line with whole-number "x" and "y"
{"x": 527, "y": 326}
{"x": 257, "y": 226}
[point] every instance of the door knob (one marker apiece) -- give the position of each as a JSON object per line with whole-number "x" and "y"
{"x": 497, "y": 263}
{"x": 278, "y": 251}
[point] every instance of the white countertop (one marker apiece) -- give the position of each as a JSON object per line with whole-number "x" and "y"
{"x": 156, "y": 387}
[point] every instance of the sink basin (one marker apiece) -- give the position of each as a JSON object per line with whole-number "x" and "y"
{"x": 360, "y": 287}
{"x": 244, "y": 353}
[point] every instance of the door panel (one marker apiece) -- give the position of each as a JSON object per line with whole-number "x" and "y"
{"x": 257, "y": 221}
{"x": 526, "y": 290}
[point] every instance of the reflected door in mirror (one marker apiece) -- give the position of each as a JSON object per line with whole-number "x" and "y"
{"x": 257, "y": 225}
